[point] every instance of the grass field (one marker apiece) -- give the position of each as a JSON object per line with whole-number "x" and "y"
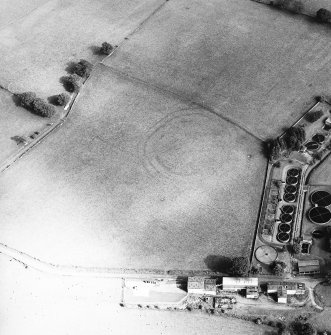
{"x": 34, "y": 303}
{"x": 137, "y": 177}
{"x": 35, "y": 50}
{"x": 15, "y": 121}
{"x": 322, "y": 174}
{"x": 258, "y": 66}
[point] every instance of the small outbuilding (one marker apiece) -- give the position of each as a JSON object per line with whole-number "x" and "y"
{"x": 201, "y": 285}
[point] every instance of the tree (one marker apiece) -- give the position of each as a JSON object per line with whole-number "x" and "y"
{"x": 36, "y": 105}
{"x": 314, "y": 116}
{"x": 278, "y": 268}
{"x": 106, "y": 48}
{"x": 71, "y": 83}
{"x": 323, "y": 15}
{"x": 294, "y": 137}
{"x": 83, "y": 68}
{"x": 239, "y": 266}
{"x": 42, "y": 108}
{"x": 298, "y": 328}
{"x": 294, "y": 6}
{"x": 296, "y": 248}
{"x": 25, "y": 99}
{"x": 62, "y": 99}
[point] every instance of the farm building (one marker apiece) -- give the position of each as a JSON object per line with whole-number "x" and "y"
{"x": 328, "y": 123}
{"x": 201, "y": 285}
{"x": 252, "y": 292}
{"x": 237, "y": 283}
{"x": 291, "y": 288}
{"x": 309, "y": 267}
{"x": 281, "y": 295}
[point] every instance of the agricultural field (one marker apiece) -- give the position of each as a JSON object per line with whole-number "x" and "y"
{"x": 257, "y": 66}
{"x": 37, "y": 45}
{"x": 15, "y": 121}
{"x": 135, "y": 178}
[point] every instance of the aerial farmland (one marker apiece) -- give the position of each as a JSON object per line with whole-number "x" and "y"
{"x": 157, "y": 162}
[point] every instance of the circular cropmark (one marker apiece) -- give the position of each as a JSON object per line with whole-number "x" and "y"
{"x": 189, "y": 142}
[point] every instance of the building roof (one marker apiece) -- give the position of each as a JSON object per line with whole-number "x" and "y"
{"x": 312, "y": 265}
{"x": 196, "y": 283}
{"x": 210, "y": 284}
{"x": 287, "y": 285}
{"x": 308, "y": 262}
{"x": 240, "y": 281}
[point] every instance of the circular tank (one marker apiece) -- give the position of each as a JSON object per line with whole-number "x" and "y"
{"x": 284, "y": 227}
{"x": 312, "y": 145}
{"x": 289, "y": 197}
{"x": 283, "y": 237}
{"x": 321, "y": 198}
{"x": 266, "y": 254}
{"x": 319, "y": 215}
{"x": 319, "y": 138}
{"x": 286, "y": 218}
{"x": 292, "y": 180}
{"x": 287, "y": 209}
{"x": 290, "y": 189}
{"x": 293, "y": 172}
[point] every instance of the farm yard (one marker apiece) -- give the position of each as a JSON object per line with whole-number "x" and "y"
{"x": 257, "y": 66}
{"x": 139, "y": 178}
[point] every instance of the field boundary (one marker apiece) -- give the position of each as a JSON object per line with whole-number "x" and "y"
{"x": 182, "y": 98}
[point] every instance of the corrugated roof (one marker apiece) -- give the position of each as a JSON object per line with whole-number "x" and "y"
{"x": 240, "y": 281}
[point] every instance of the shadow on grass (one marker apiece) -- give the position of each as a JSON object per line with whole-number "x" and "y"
{"x": 96, "y": 50}
{"x": 218, "y": 263}
{"x": 53, "y": 100}
{"x": 181, "y": 283}
{"x": 16, "y": 100}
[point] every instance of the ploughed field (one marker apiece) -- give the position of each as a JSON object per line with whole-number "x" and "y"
{"x": 136, "y": 178}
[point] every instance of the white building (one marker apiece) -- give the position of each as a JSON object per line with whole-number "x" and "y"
{"x": 239, "y": 283}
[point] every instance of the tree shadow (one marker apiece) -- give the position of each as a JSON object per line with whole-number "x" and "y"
{"x": 16, "y": 100}
{"x": 218, "y": 263}
{"x": 266, "y": 148}
{"x": 181, "y": 283}
{"x": 53, "y": 100}
{"x": 96, "y": 50}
